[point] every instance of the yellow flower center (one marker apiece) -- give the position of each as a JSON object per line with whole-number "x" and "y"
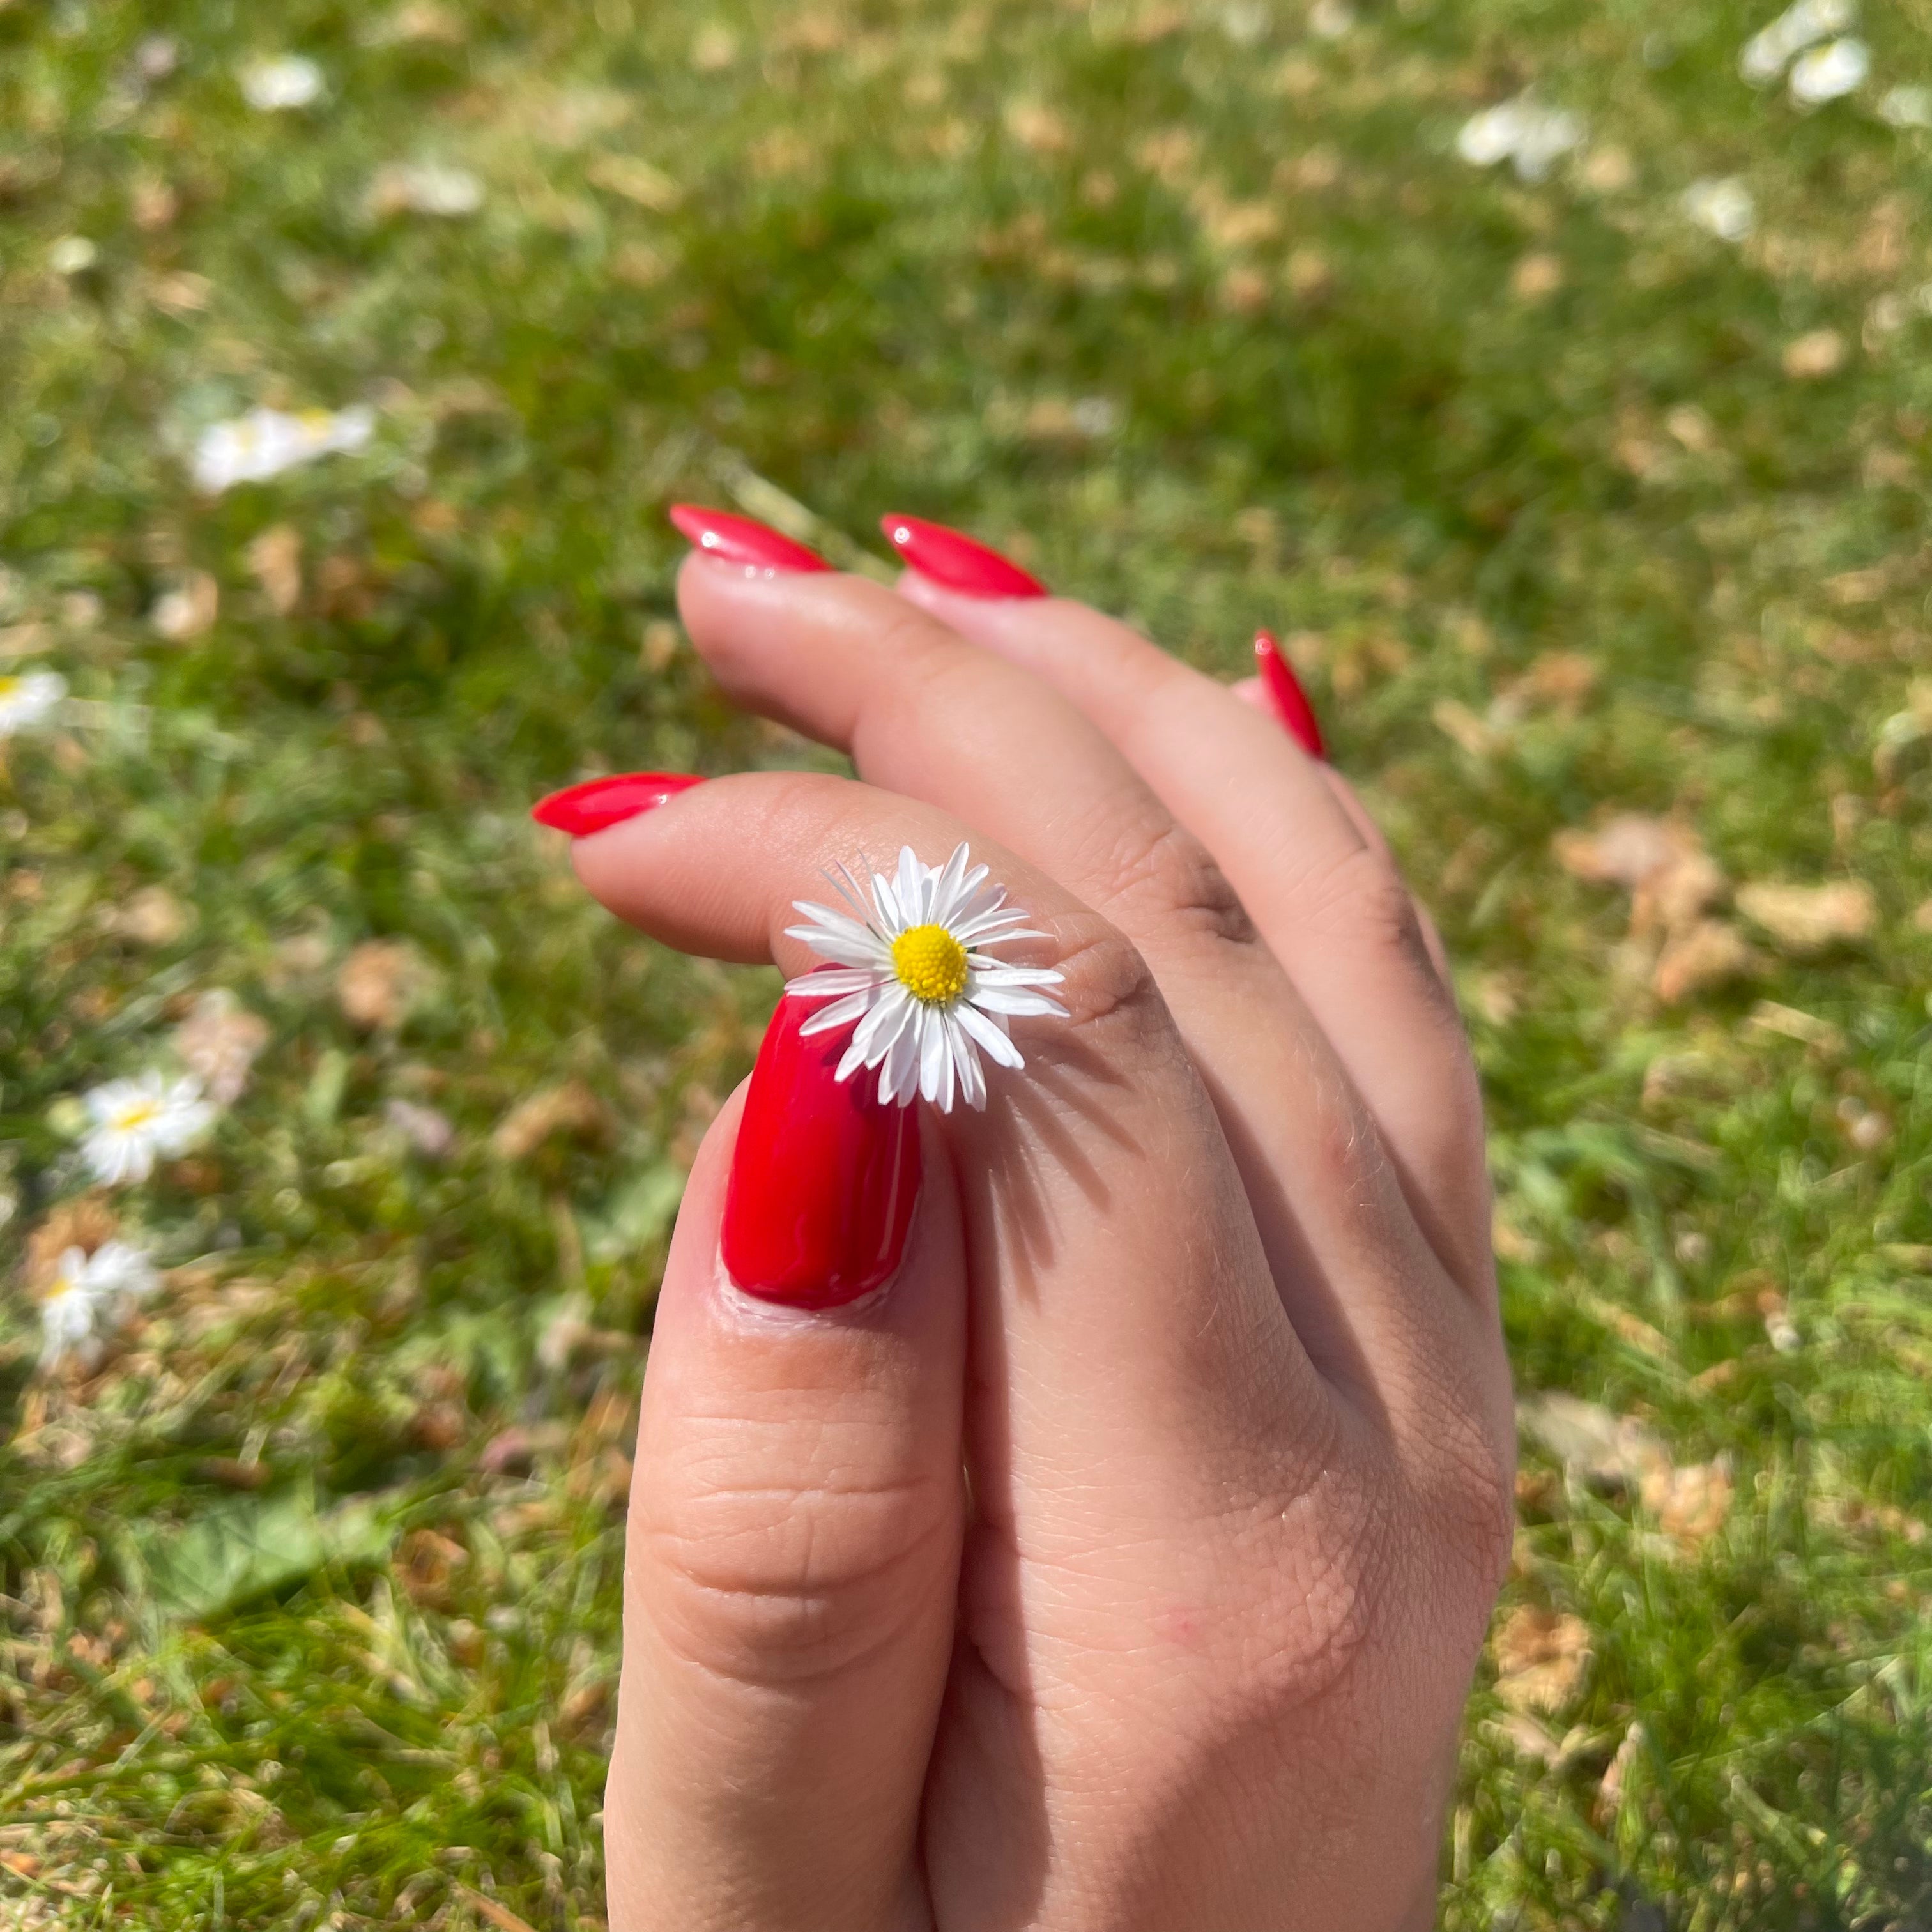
{"x": 931, "y": 965}
{"x": 138, "y": 1113}
{"x": 8, "y": 686}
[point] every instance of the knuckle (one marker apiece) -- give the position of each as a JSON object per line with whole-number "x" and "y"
{"x": 1469, "y": 1495}
{"x": 925, "y": 660}
{"x": 1348, "y": 1160}
{"x": 1362, "y": 899}
{"x": 1168, "y": 871}
{"x": 1326, "y": 1593}
{"x": 791, "y": 1584}
{"x": 1105, "y": 977}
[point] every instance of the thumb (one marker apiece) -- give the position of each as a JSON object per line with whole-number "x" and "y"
{"x": 795, "y": 1517}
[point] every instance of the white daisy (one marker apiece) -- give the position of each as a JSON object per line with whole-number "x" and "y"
{"x": 135, "y": 1121}
{"x": 1764, "y": 54}
{"x": 927, "y": 997}
{"x": 265, "y": 443}
{"x": 1723, "y": 207}
{"x": 276, "y": 85}
{"x": 70, "y": 1317}
{"x": 1534, "y": 137}
{"x": 27, "y": 698}
{"x": 1838, "y": 67}
{"x": 89, "y": 1292}
{"x": 117, "y": 1272}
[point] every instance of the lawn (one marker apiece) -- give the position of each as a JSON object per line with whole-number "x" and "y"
{"x": 1580, "y": 452}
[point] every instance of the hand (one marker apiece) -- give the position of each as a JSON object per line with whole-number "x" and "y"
{"x": 1201, "y": 1305}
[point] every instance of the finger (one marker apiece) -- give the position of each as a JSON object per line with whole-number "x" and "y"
{"x": 793, "y": 1556}
{"x": 1122, "y": 1304}
{"x": 928, "y": 715}
{"x": 1326, "y": 898}
{"x": 1252, "y": 693}
{"x": 1372, "y": 835}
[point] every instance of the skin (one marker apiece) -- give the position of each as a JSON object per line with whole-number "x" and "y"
{"x": 1202, "y": 1305}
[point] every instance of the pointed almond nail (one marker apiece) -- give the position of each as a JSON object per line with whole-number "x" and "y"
{"x": 739, "y": 540}
{"x": 597, "y": 803}
{"x": 824, "y": 1177}
{"x": 957, "y": 563}
{"x": 1285, "y": 692}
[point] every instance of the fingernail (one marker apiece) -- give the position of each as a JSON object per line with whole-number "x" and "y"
{"x": 580, "y": 809}
{"x": 956, "y": 561}
{"x": 824, "y": 1178}
{"x": 739, "y": 540}
{"x": 1291, "y": 702}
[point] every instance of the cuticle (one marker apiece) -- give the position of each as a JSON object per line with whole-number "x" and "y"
{"x": 753, "y": 1309}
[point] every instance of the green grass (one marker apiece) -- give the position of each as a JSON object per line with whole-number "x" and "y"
{"x": 284, "y": 1640}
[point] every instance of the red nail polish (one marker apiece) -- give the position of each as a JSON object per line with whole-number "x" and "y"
{"x": 1290, "y": 701}
{"x": 957, "y": 563}
{"x": 824, "y": 1177}
{"x": 739, "y": 540}
{"x": 580, "y": 809}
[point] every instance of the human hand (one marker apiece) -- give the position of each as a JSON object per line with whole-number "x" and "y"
{"x": 1201, "y": 1304}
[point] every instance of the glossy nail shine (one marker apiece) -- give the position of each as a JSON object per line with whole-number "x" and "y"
{"x": 956, "y": 561}
{"x": 599, "y": 803}
{"x": 761, "y": 550}
{"x": 824, "y": 1179}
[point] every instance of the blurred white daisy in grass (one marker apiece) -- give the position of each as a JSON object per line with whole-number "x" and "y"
{"x": 73, "y": 255}
{"x": 277, "y": 85}
{"x": 27, "y": 698}
{"x": 424, "y": 188}
{"x": 1765, "y": 53}
{"x": 136, "y": 1122}
{"x": 87, "y": 1293}
{"x": 1829, "y": 72}
{"x": 1907, "y": 107}
{"x": 265, "y": 443}
{"x": 1522, "y": 131}
{"x": 1722, "y": 207}
{"x": 923, "y": 996}
{"x": 70, "y": 1317}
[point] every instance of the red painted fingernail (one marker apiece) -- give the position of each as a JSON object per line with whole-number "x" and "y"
{"x": 1291, "y": 702}
{"x": 580, "y": 809}
{"x": 957, "y": 563}
{"x": 824, "y": 1178}
{"x": 739, "y": 540}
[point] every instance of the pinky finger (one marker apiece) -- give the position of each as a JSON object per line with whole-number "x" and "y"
{"x": 1264, "y": 694}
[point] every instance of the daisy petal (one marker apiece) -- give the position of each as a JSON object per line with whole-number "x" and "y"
{"x": 1017, "y": 1001}
{"x": 831, "y": 918}
{"x": 985, "y": 1033}
{"x": 884, "y": 1024}
{"x": 982, "y": 902}
{"x": 912, "y": 882}
{"x": 865, "y": 951}
{"x": 934, "y": 1054}
{"x": 973, "y": 931}
{"x": 949, "y": 1035}
{"x": 892, "y": 918}
{"x": 997, "y": 973}
{"x": 946, "y": 889}
{"x": 825, "y": 985}
{"x": 852, "y": 1007}
{"x": 900, "y": 1080}
{"x": 972, "y": 1075}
